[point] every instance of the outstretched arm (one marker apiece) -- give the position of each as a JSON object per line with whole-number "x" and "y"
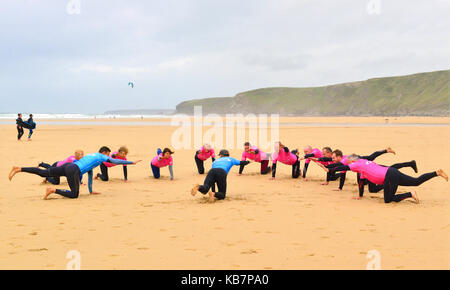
{"x": 90, "y": 175}
{"x": 171, "y": 171}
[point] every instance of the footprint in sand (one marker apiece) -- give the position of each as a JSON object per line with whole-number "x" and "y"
{"x": 249, "y": 252}
{"x": 143, "y": 249}
{"x": 38, "y": 250}
{"x": 33, "y": 234}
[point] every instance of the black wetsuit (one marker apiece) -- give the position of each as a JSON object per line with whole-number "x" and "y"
{"x": 200, "y": 163}
{"x": 332, "y": 175}
{"x": 70, "y": 170}
{"x": 295, "y": 167}
{"x": 217, "y": 176}
{"x": 19, "y": 123}
{"x": 104, "y": 169}
{"x": 52, "y": 180}
{"x": 30, "y": 121}
{"x": 392, "y": 180}
{"x": 265, "y": 168}
{"x": 374, "y": 188}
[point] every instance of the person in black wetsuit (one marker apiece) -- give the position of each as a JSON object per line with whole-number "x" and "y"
{"x": 31, "y": 122}
{"x": 120, "y": 154}
{"x": 390, "y": 178}
{"x": 19, "y": 123}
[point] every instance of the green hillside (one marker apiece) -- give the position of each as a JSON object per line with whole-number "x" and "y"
{"x": 425, "y": 94}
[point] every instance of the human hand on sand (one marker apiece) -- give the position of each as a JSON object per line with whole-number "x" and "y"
{"x": 95, "y": 193}
{"x": 136, "y": 162}
{"x": 357, "y": 197}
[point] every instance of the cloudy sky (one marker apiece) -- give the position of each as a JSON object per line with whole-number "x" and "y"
{"x": 60, "y": 58}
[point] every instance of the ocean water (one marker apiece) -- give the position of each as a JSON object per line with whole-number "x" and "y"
{"x": 79, "y": 116}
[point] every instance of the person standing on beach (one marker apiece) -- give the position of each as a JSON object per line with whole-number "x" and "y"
{"x": 19, "y": 123}
{"x": 283, "y": 155}
{"x": 389, "y": 177}
{"x": 218, "y": 175}
{"x": 163, "y": 159}
{"x": 32, "y": 124}
{"x": 73, "y": 172}
{"x": 253, "y": 153}
{"x": 202, "y": 155}
{"x": 120, "y": 154}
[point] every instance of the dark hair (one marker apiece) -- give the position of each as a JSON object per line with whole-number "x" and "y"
{"x": 224, "y": 152}
{"x": 31, "y": 115}
{"x": 20, "y": 114}
{"x": 247, "y": 144}
{"x": 338, "y": 152}
{"x": 328, "y": 149}
{"x": 104, "y": 149}
{"x": 167, "y": 150}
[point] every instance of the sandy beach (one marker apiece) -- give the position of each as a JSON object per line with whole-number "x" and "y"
{"x": 262, "y": 224}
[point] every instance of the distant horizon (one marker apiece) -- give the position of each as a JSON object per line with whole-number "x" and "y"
{"x": 105, "y": 112}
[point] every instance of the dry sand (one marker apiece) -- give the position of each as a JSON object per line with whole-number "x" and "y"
{"x": 263, "y": 224}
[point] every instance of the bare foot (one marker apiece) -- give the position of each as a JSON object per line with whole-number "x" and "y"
{"x": 48, "y": 192}
{"x": 195, "y": 189}
{"x": 13, "y": 172}
{"x": 324, "y": 183}
{"x": 211, "y": 197}
{"x": 441, "y": 173}
{"x": 389, "y": 150}
{"x": 44, "y": 181}
{"x": 415, "y": 196}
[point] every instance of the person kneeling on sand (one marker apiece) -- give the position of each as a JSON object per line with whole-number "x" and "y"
{"x": 218, "y": 175}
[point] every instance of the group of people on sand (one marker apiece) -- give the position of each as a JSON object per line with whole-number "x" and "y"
{"x": 334, "y": 163}
{"x": 377, "y": 177}
{"x": 28, "y": 124}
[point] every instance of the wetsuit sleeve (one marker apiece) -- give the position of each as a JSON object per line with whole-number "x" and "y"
{"x": 243, "y": 163}
{"x": 332, "y": 165}
{"x": 286, "y": 149}
{"x": 342, "y": 180}
{"x": 119, "y": 161}
{"x": 241, "y": 167}
{"x": 213, "y": 159}
{"x": 171, "y": 171}
{"x": 90, "y": 175}
{"x": 125, "y": 173}
{"x": 341, "y": 168}
{"x": 325, "y": 159}
{"x": 274, "y": 169}
{"x": 309, "y": 155}
{"x": 256, "y": 151}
